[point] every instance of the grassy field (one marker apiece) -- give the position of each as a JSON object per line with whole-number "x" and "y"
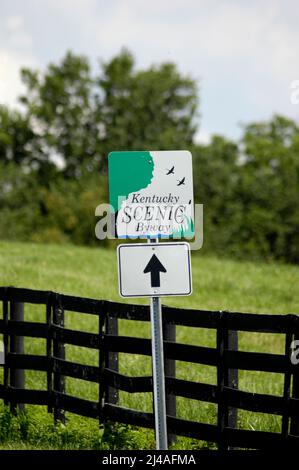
{"x": 91, "y": 272}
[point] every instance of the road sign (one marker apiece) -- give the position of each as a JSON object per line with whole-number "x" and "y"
{"x": 154, "y": 270}
{"x": 152, "y": 193}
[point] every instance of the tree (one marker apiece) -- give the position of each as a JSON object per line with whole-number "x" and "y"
{"x": 79, "y": 119}
{"x": 16, "y": 137}
{"x": 63, "y": 111}
{"x": 146, "y": 109}
{"x": 215, "y": 169}
{"x": 269, "y": 188}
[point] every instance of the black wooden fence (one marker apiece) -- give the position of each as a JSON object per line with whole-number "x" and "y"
{"x": 225, "y": 357}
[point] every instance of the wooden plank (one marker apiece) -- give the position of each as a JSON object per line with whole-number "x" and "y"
{"x": 16, "y": 374}
{"x": 257, "y": 402}
{"x": 128, "y": 384}
{"x": 6, "y": 346}
{"x": 27, "y": 361}
{"x": 75, "y": 370}
{"x": 33, "y": 397}
{"x": 3, "y": 392}
{"x": 231, "y": 377}
{"x": 177, "y": 387}
{"x": 191, "y": 318}
{"x": 81, "y": 304}
{"x": 24, "y": 396}
{"x": 101, "y": 359}
{"x": 293, "y": 411}
{"x": 128, "y": 416}
{"x": 127, "y": 344}
{"x": 3, "y": 293}
{"x": 75, "y": 337}
{"x": 76, "y": 405}
{"x": 127, "y": 311}
{"x": 294, "y": 428}
{"x": 169, "y": 334}
{"x": 260, "y": 323}
{"x": 222, "y": 410}
{"x": 286, "y": 388}
{"x": 28, "y": 296}
{"x": 49, "y": 351}
{"x": 192, "y": 390}
{"x": 177, "y": 351}
{"x": 258, "y": 439}
{"x": 257, "y": 361}
{"x": 190, "y": 353}
{"x": 111, "y": 358}
{"x": 59, "y": 353}
{"x": 195, "y": 430}
{"x": 30, "y": 329}
{"x": 176, "y": 426}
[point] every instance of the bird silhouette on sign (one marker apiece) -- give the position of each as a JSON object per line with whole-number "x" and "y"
{"x": 180, "y": 182}
{"x": 171, "y": 171}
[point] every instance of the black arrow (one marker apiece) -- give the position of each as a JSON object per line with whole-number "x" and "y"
{"x": 154, "y": 266}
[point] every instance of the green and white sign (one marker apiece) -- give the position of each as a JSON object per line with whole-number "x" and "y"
{"x": 152, "y": 193}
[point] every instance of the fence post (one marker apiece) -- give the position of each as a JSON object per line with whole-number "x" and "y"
{"x": 222, "y": 414}
{"x": 110, "y": 394}
{"x": 49, "y": 352}
{"x": 294, "y": 428}
{"x": 102, "y": 359}
{"x": 169, "y": 334}
{"x": 17, "y": 376}
{"x": 6, "y": 348}
{"x": 111, "y": 328}
{"x": 232, "y": 378}
{"x": 59, "y": 352}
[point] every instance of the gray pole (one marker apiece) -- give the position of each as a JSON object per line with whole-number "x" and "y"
{"x": 158, "y": 373}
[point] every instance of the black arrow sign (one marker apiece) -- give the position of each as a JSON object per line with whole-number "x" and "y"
{"x": 154, "y": 266}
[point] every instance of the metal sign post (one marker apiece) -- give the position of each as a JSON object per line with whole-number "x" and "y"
{"x": 158, "y": 372}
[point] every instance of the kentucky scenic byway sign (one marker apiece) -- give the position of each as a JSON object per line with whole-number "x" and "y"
{"x": 152, "y": 193}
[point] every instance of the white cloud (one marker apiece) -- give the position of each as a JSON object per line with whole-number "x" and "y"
{"x": 203, "y": 137}
{"x": 14, "y": 23}
{"x": 15, "y": 53}
{"x": 10, "y": 83}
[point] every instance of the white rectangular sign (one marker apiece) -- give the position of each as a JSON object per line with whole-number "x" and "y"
{"x": 152, "y": 193}
{"x": 154, "y": 270}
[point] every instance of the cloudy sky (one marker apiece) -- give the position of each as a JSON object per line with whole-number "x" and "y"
{"x": 244, "y": 54}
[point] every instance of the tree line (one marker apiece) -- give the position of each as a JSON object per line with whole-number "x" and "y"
{"x": 53, "y": 157}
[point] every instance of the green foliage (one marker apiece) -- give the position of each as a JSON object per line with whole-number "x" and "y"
{"x": 75, "y": 116}
{"x": 59, "y": 212}
{"x": 147, "y": 109}
{"x": 250, "y": 192}
{"x": 16, "y": 137}
{"x": 63, "y": 111}
{"x": 269, "y": 187}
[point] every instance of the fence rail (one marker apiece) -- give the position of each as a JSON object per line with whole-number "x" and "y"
{"x": 225, "y": 357}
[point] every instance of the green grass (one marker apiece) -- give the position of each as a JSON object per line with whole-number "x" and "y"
{"x": 91, "y": 272}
